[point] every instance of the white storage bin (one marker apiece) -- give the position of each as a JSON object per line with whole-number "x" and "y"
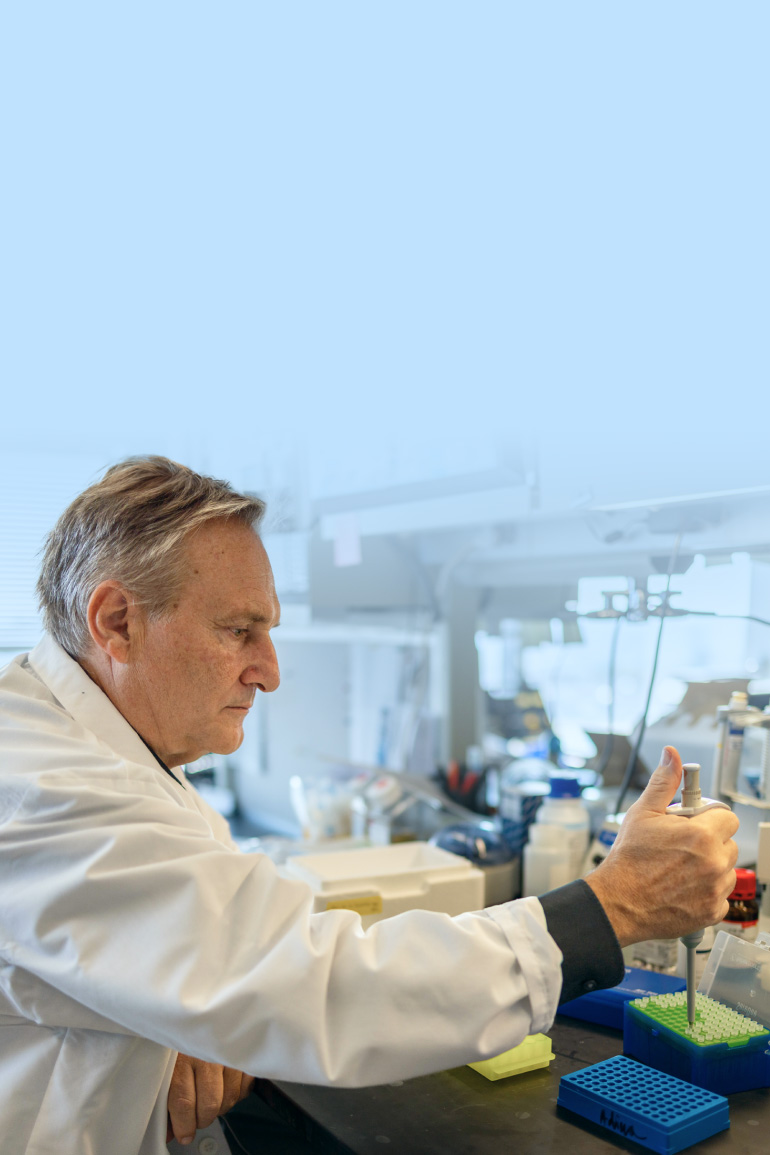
{"x": 380, "y": 881}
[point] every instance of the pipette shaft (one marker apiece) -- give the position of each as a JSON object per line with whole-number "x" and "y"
{"x": 692, "y": 803}
{"x": 690, "y": 942}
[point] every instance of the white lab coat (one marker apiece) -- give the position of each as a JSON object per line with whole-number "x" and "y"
{"x": 132, "y": 928}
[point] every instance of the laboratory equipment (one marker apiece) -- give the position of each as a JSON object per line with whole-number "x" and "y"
{"x": 645, "y": 1106}
{"x": 738, "y": 975}
{"x": 483, "y": 844}
{"x": 743, "y": 915}
{"x": 606, "y": 1006}
{"x": 520, "y": 800}
{"x": 763, "y": 875}
{"x": 602, "y": 844}
{"x": 723, "y": 1050}
{"x": 742, "y": 769}
{"x": 547, "y": 860}
{"x": 531, "y": 1055}
{"x": 732, "y": 720}
{"x": 379, "y": 881}
{"x": 466, "y": 783}
{"x": 732, "y": 1006}
{"x": 564, "y": 808}
{"x": 692, "y": 803}
{"x": 655, "y": 954}
{"x": 384, "y": 802}
{"x": 702, "y": 954}
{"x": 322, "y": 806}
{"x": 378, "y": 803}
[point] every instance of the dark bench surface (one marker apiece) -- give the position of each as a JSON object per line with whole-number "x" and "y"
{"x": 459, "y": 1112}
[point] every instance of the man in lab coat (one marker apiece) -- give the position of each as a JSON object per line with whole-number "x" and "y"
{"x": 132, "y": 931}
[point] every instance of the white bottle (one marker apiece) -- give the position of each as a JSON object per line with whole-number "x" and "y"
{"x": 733, "y": 739}
{"x": 547, "y": 862}
{"x": 564, "y": 808}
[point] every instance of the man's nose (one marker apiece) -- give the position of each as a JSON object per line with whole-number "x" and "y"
{"x": 263, "y": 672}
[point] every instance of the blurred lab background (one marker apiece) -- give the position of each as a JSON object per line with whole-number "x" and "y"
{"x": 476, "y": 298}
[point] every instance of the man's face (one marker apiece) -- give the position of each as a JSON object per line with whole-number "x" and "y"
{"x": 197, "y": 670}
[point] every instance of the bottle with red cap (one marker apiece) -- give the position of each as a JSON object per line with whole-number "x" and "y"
{"x": 741, "y": 919}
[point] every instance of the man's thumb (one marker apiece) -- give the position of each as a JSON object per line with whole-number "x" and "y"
{"x": 664, "y": 782}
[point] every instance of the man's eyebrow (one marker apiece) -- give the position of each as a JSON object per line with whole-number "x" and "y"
{"x": 251, "y": 616}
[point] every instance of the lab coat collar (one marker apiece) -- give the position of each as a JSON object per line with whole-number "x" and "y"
{"x": 86, "y": 702}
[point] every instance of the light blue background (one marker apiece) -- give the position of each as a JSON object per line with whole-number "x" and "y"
{"x": 239, "y": 225}
{"x": 368, "y": 240}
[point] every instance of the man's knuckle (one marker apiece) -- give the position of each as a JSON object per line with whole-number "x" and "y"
{"x": 702, "y": 839}
{"x": 179, "y": 1107}
{"x": 182, "y": 1102}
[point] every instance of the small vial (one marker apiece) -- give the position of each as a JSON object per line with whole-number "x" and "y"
{"x": 743, "y": 915}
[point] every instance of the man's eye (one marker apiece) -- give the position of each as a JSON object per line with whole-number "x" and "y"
{"x": 238, "y": 631}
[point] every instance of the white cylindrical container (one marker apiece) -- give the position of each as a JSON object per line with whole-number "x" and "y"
{"x": 564, "y": 808}
{"x": 519, "y": 803}
{"x": 547, "y": 862}
{"x": 733, "y": 739}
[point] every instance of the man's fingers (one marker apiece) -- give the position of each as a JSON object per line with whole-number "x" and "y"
{"x": 181, "y": 1101}
{"x": 232, "y": 1089}
{"x": 199, "y": 1092}
{"x": 209, "y": 1092}
{"x": 664, "y": 783}
{"x": 722, "y": 823}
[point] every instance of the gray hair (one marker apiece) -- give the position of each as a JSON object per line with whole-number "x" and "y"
{"x": 130, "y": 527}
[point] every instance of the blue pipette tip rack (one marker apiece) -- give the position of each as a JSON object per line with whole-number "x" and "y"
{"x": 725, "y": 1051}
{"x": 637, "y": 1104}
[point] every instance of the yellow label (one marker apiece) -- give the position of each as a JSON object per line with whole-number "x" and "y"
{"x": 369, "y": 904}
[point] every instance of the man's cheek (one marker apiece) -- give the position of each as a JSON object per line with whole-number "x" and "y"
{"x": 198, "y": 670}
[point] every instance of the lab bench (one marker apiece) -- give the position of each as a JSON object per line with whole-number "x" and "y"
{"x": 459, "y": 1112}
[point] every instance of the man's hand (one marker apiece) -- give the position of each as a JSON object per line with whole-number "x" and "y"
{"x": 666, "y": 875}
{"x": 199, "y": 1092}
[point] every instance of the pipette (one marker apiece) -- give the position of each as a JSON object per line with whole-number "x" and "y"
{"x": 692, "y": 803}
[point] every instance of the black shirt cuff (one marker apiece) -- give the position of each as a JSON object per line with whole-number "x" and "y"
{"x": 584, "y": 935}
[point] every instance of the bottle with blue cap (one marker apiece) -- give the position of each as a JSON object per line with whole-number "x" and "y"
{"x": 564, "y": 808}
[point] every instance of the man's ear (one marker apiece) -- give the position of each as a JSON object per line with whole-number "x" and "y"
{"x": 114, "y": 620}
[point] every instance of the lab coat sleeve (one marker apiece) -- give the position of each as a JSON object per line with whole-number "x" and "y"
{"x": 126, "y": 904}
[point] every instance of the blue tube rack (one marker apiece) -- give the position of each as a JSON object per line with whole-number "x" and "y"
{"x": 657, "y": 1034}
{"x": 606, "y": 1007}
{"x": 636, "y": 1103}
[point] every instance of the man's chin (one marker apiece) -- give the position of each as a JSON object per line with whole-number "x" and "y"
{"x": 227, "y": 743}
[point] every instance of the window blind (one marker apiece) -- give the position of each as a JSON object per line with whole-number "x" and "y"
{"x": 35, "y": 488}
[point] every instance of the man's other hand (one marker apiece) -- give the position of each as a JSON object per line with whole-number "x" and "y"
{"x": 666, "y": 875}
{"x": 199, "y": 1092}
